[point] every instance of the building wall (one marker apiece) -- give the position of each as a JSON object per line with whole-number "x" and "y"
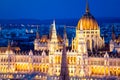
{"x": 41, "y": 63}
{"x": 92, "y": 37}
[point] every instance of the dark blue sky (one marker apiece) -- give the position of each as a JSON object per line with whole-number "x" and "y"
{"x": 57, "y": 9}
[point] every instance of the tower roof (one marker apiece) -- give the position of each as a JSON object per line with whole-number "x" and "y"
{"x": 88, "y": 20}
{"x": 54, "y": 25}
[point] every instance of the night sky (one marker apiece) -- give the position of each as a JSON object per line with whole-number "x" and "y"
{"x": 57, "y": 9}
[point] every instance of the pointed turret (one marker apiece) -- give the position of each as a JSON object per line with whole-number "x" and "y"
{"x": 9, "y": 50}
{"x": 43, "y": 54}
{"x": 8, "y": 47}
{"x": 54, "y": 34}
{"x": 37, "y": 34}
{"x": 87, "y": 7}
{"x": 64, "y": 74}
{"x": 53, "y": 41}
{"x": 54, "y": 27}
{"x": 30, "y": 52}
{"x": 106, "y": 55}
{"x": 113, "y": 33}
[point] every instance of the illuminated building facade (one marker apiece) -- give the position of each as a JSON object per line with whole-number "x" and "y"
{"x": 47, "y": 61}
{"x": 91, "y": 32}
{"x": 44, "y": 42}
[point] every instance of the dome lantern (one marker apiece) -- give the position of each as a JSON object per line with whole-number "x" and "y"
{"x": 87, "y": 6}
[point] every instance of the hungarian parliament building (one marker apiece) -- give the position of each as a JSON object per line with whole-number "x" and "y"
{"x": 54, "y": 59}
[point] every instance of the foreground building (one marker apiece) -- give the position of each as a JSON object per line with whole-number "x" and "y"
{"x": 49, "y": 61}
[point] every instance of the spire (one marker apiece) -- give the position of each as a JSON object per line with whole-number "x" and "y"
{"x": 87, "y": 6}
{"x": 54, "y": 25}
{"x": 64, "y": 74}
{"x": 52, "y": 29}
{"x": 37, "y": 34}
{"x": 65, "y": 36}
{"x": 54, "y": 40}
{"x": 43, "y": 53}
{"x": 106, "y": 55}
{"x": 113, "y": 33}
{"x": 54, "y": 34}
{"x": 30, "y": 52}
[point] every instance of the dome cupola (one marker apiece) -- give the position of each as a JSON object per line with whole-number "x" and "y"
{"x": 88, "y": 21}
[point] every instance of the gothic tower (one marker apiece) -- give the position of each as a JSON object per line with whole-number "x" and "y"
{"x": 53, "y": 46}
{"x": 53, "y": 42}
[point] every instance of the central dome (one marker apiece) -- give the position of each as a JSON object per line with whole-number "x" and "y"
{"x": 88, "y": 21}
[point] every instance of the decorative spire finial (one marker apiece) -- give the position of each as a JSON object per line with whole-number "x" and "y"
{"x": 87, "y": 6}
{"x": 54, "y": 24}
{"x": 37, "y": 34}
{"x": 9, "y": 47}
{"x": 113, "y": 33}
